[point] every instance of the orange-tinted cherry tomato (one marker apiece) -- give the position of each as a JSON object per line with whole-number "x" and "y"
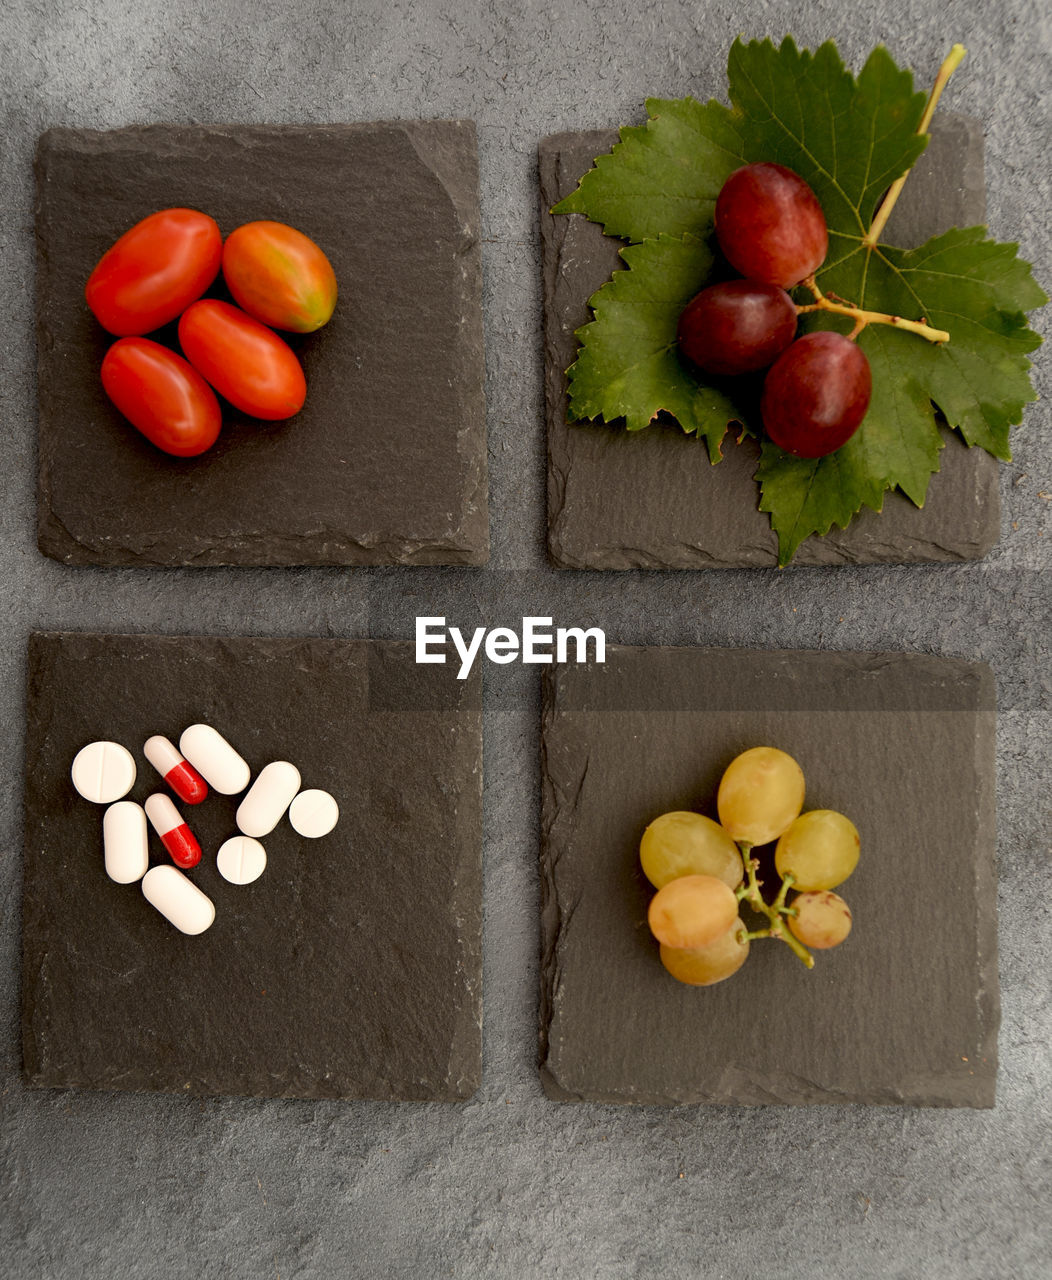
{"x": 155, "y": 271}
{"x": 280, "y": 276}
{"x": 244, "y": 360}
{"x": 162, "y": 395}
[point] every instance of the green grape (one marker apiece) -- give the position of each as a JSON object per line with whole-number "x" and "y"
{"x": 822, "y": 920}
{"x": 819, "y": 850}
{"x": 692, "y": 911}
{"x": 702, "y": 966}
{"x": 688, "y": 844}
{"x": 761, "y": 792}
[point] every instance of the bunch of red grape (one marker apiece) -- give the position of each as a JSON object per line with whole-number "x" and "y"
{"x": 703, "y": 870}
{"x": 771, "y": 228}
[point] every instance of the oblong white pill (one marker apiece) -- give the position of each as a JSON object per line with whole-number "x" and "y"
{"x": 178, "y": 899}
{"x": 125, "y": 842}
{"x": 241, "y": 859}
{"x": 215, "y": 759}
{"x": 268, "y": 797}
{"x": 314, "y": 813}
{"x": 103, "y": 772}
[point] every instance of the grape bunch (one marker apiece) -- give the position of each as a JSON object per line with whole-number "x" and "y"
{"x": 772, "y": 230}
{"x": 704, "y": 870}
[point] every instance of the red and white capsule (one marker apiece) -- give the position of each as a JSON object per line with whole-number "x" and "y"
{"x": 176, "y": 836}
{"x": 175, "y": 769}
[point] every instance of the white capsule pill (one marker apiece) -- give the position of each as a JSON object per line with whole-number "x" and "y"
{"x": 314, "y": 813}
{"x": 241, "y": 860}
{"x": 268, "y": 797}
{"x": 215, "y": 759}
{"x": 103, "y": 772}
{"x": 125, "y": 842}
{"x": 178, "y": 899}
{"x": 182, "y": 777}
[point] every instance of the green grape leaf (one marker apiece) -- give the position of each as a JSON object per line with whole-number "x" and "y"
{"x": 849, "y": 139}
{"x": 628, "y": 367}
{"x": 663, "y": 177}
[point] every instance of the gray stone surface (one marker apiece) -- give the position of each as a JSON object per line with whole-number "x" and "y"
{"x": 651, "y": 499}
{"x": 386, "y": 461}
{"x": 904, "y": 1011}
{"x": 352, "y": 968}
{"x": 508, "y": 1184}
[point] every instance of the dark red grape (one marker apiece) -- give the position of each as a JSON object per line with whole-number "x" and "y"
{"x": 737, "y": 327}
{"x": 770, "y": 225}
{"x": 816, "y": 394}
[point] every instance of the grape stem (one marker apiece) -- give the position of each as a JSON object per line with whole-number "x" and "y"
{"x": 950, "y": 64}
{"x": 825, "y": 302}
{"x": 750, "y": 893}
{"x": 787, "y": 884}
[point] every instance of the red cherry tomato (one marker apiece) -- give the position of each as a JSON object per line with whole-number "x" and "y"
{"x": 244, "y": 360}
{"x": 155, "y": 271}
{"x": 280, "y": 276}
{"x": 162, "y": 395}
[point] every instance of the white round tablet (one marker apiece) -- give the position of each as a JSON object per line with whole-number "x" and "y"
{"x": 314, "y": 813}
{"x": 241, "y": 860}
{"x": 103, "y": 772}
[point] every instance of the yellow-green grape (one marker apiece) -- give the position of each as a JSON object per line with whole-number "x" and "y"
{"x": 702, "y": 966}
{"x": 822, "y": 920}
{"x": 688, "y": 844}
{"x": 820, "y": 850}
{"x": 761, "y": 792}
{"x": 692, "y": 911}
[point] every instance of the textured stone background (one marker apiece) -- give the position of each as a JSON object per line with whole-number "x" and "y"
{"x": 510, "y": 1185}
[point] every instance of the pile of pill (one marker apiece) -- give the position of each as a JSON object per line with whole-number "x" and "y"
{"x": 104, "y": 773}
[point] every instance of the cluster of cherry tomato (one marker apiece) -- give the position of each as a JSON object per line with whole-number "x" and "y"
{"x": 156, "y": 273}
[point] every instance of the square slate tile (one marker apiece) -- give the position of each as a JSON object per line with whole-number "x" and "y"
{"x": 351, "y": 968}
{"x": 386, "y": 463}
{"x": 906, "y": 1010}
{"x": 650, "y": 499}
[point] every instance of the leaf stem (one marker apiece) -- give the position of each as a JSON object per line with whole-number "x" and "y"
{"x": 950, "y": 64}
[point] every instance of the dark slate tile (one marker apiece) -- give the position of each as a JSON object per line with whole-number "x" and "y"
{"x": 351, "y": 968}
{"x": 650, "y": 499}
{"x": 386, "y": 463}
{"x": 905, "y": 1011}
